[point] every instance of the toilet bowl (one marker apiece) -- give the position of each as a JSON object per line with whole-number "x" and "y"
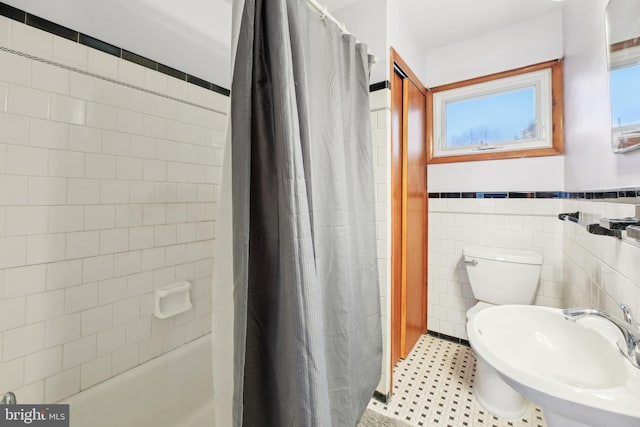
{"x": 500, "y": 276}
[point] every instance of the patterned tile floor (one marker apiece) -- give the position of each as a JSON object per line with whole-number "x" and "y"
{"x": 433, "y": 386}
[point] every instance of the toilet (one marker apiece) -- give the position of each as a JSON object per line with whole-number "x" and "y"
{"x": 500, "y": 276}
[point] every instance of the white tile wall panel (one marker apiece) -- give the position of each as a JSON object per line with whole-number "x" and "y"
{"x": 26, "y": 101}
{"x": 5, "y": 32}
{"x": 47, "y": 190}
{"x": 62, "y": 385}
{"x": 112, "y": 290}
{"x": 22, "y": 341}
{"x": 12, "y": 372}
{"x": 62, "y": 329}
{"x": 111, "y": 340}
{"x": 116, "y": 95}
{"x": 68, "y": 164}
{"x": 42, "y": 364}
{"x": 102, "y": 64}
{"x": 83, "y": 244}
{"x": 12, "y": 313}
{"x": 80, "y": 298}
{"x": 33, "y": 392}
{"x": 49, "y": 78}
{"x": 63, "y": 274}
{"x": 30, "y": 40}
{"x": 97, "y": 319}
{"x": 125, "y": 358}
{"x": 151, "y": 347}
{"x": 116, "y": 143}
{"x": 48, "y": 134}
{"x": 25, "y": 220}
{"x": 15, "y": 69}
{"x": 130, "y": 73}
{"x": 108, "y": 192}
{"x": 70, "y": 53}
{"x": 600, "y": 272}
{"x": 15, "y": 129}
{"x": 95, "y": 371}
{"x": 25, "y": 280}
{"x": 45, "y": 306}
{"x": 114, "y": 240}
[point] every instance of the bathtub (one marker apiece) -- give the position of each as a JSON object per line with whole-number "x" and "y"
{"x": 172, "y": 390}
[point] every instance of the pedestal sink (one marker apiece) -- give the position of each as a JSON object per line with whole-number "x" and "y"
{"x": 572, "y": 370}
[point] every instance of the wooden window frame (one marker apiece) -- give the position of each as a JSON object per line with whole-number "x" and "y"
{"x": 557, "y": 117}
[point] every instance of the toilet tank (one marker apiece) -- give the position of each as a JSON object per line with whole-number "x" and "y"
{"x": 503, "y": 275}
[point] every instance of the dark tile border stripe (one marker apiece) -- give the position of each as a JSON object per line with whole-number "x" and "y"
{"x": 100, "y": 45}
{"x": 385, "y": 84}
{"x": 140, "y": 60}
{"x": 613, "y": 194}
{"x": 449, "y": 338}
{"x": 60, "y": 31}
{"x": 172, "y": 72}
{"x": 52, "y": 27}
{"x": 13, "y": 13}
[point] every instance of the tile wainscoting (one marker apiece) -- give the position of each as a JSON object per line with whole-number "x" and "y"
{"x": 510, "y": 222}
{"x": 579, "y": 269}
{"x": 599, "y": 271}
{"x": 109, "y": 177}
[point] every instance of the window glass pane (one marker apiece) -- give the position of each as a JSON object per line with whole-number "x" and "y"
{"x": 625, "y": 96}
{"x": 497, "y": 118}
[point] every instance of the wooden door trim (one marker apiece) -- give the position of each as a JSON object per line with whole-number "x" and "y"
{"x": 405, "y": 183}
{"x": 395, "y": 332}
{"x": 397, "y": 63}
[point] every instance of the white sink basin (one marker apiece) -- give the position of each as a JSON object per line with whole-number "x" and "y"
{"x": 573, "y": 370}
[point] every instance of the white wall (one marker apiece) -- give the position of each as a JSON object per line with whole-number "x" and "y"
{"x": 403, "y": 41}
{"x": 530, "y": 42}
{"x": 194, "y": 38}
{"x": 589, "y": 161}
{"x": 108, "y": 190}
{"x": 368, "y": 21}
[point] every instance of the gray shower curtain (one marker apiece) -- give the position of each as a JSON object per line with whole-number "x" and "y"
{"x": 308, "y": 344}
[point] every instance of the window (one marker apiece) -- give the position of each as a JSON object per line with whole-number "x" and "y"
{"x": 516, "y": 113}
{"x": 624, "y": 88}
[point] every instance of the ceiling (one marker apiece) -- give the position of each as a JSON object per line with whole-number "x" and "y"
{"x": 436, "y": 23}
{"x": 193, "y": 34}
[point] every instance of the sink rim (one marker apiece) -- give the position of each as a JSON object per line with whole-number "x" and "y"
{"x": 621, "y": 399}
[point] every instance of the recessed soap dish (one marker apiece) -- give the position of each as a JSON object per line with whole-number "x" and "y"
{"x": 171, "y": 300}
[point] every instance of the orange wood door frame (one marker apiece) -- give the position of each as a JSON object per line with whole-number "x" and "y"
{"x": 403, "y": 238}
{"x": 397, "y": 157}
{"x": 401, "y": 78}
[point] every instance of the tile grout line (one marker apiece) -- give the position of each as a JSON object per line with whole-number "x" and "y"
{"x": 108, "y": 79}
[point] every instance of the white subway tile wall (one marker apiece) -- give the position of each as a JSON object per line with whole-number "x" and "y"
{"x": 515, "y": 223}
{"x": 106, "y": 192}
{"x": 380, "y": 106}
{"x": 600, "y": 271}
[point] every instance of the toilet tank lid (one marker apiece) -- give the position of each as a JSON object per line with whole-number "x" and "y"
{"x": 521, "y": 256}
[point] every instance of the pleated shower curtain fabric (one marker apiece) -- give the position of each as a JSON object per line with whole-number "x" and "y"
{"x": 308, "y": 344}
